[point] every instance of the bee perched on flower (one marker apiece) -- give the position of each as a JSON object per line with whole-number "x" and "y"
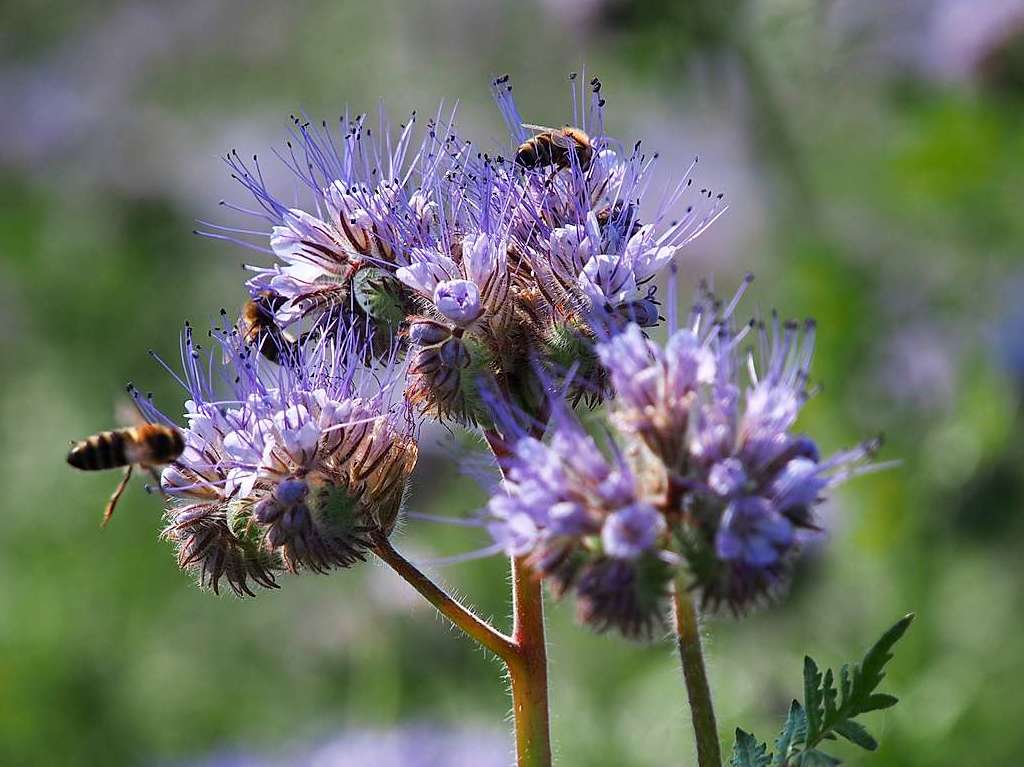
{"x": 581, "y": 239}
{"x": 705, "y": 476}
{"x": 367, "y": 205}
{"x": 298, "y": 466}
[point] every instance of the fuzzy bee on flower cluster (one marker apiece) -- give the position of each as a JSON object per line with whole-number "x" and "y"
{"x": 555, "y": 146}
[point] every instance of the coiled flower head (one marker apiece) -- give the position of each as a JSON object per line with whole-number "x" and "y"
{"x": 705, "y": 476}
{"x": 581, "y": 239}
{"x": 583, "y": 519}
{"x": 297, "y": 466}
{"x": 367, "y": 202}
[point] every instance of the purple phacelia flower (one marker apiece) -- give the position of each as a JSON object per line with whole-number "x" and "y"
{"x": 291, "y": 466}
{"x": 741, "y": 483}
{"x": 656, "y": 387}
{"x": 466, "y": 301}
{"x": 461, "y": 291}
{"x": 369, "y": 199}
{"x": 579, "y": 221}
{"x": 753, "y": 532}
{"x": 578, "y": 515}
{"x": 706, "y": 478}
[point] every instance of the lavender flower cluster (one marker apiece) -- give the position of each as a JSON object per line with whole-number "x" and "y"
{"x": 428, "y": 278}
{"x": 286, "y": 467}
{"x": 705, "y": 473}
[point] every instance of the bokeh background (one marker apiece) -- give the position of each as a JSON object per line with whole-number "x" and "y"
{"x": 873, "y": 155}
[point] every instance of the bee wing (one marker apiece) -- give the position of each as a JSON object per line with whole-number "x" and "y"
{"x": 558, "y": 136}
{"x": 562, "y": 140}
{"x": 541, "y": 129}
{"x": 126, "y": 410}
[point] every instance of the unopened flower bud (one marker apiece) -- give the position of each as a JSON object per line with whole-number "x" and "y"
{"x": 458, "y": 301}
{"x": 291, "y": 491}
{"x": 629, "y": 596}
{"x": 267, "y": 510}
{"x": 424, "y": 332}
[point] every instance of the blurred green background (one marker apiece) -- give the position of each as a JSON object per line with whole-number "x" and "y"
{"x": 873, "y": 156}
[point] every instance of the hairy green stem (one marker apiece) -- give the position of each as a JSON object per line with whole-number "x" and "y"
{"x": 465, "y": 619}
{"x": 709, "y": 753}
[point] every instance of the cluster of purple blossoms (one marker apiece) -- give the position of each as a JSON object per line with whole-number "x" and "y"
{"x": 707, "y": 476}
{"x": 483, "y": 264}
{"x": 291, "y": 466}
{"x": 518, "y": 281}
{"x": 584, "y": 521}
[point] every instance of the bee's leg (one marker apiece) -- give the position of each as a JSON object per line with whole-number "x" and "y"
{"x": 108, "y": 512}
{"x": 155, "y": 475}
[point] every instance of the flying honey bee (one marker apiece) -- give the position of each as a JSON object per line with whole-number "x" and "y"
{"x": 555, "y": 146}
{"x": 148, "y": 445}
{"x": 259, "y": 328}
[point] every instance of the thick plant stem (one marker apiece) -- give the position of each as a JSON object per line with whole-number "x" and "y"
{"x": 702, "y": 713}
{"x": 528, "y": 672}
{"x": 471, "y": 624}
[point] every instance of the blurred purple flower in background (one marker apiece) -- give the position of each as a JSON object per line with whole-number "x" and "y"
{"x": 410, "y": 745}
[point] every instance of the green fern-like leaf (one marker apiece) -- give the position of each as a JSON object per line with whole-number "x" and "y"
{"x": 832, "y": 702}
{"x": 813, "y": 699}
{"x": 747, "y": 752}
{"x": 813, "y": 758}
{"x": 794, "y": 733}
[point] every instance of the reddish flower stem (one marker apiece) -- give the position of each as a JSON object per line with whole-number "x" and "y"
{"x": 462, "y": 617}
{"x": 529, "y": 670}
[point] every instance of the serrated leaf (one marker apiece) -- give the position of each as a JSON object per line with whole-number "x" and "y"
{"x": 870, "y": 673}
{"x": 845, "y": 685}
{"x": 812, "y": 698}
{"x": 828, "y": 696}
{"x": 815, "y": 758}
{"x": 794, "y": 731}
{"x": 830, "y": 710}
{"x": 747, "y": 752}
{"x": 855, "y": 733}
{"x": 878, "y": 701}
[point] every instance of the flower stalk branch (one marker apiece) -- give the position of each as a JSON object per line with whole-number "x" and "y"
{"x": 524, "y": 653}
{"x": 465, "y": 619}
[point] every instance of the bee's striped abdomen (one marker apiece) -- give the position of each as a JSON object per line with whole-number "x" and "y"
{"x": 105, "y": 450}
{"x": 162, "y": 444}
{"x": 148, "y": 445}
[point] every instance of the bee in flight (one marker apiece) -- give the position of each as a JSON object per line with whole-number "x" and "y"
{"x": 555, "y": 146}
{"x": 148, "y": 445}
{"x": 259, "y": 328}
